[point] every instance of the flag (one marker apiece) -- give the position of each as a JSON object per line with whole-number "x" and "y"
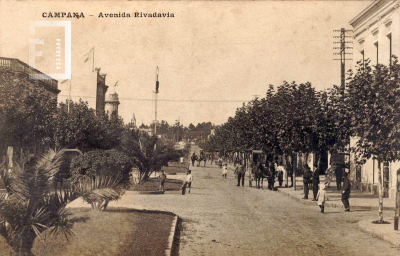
{"x": 88, "y": 55}
{"x": 157, "y": 86}
{"x": 64, "y": 81}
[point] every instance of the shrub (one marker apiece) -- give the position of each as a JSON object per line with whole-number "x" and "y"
{"x": 102, "y": 163}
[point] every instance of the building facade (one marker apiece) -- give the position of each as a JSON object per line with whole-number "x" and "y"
{"x": 101, "y": 91}
{"x": 14, "y": 75}
{"x": 15, "y": 86}
{"x": 376, "y": 36}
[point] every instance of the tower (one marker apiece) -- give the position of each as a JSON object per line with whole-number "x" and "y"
{"x": 133, "y": 120}
{"x": 111, "y": 103}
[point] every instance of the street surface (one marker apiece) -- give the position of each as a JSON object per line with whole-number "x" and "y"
{"x": 220, "y": 218}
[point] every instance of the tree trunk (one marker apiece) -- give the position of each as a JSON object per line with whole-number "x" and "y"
{"x": 294, "y": 171}
{"x": 380, "y": 192}
{"x": 287, "y": 176}
{"x": 26, "y": 245}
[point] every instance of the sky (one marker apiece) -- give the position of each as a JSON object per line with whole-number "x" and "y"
{"x": 212, "y": 56}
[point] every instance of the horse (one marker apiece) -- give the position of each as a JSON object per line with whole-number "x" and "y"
{"x": 259, "y": 173}
{"x": 200, "y": 159}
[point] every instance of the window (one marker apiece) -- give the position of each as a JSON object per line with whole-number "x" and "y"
{"x": 377, "y": 52}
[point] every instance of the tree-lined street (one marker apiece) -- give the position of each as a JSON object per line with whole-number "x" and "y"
{"x": 220, "y": 218}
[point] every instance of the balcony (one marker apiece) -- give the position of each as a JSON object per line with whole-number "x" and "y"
{"x": 18, "y": 66}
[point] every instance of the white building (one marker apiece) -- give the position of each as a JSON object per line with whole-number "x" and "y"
{"x": 111, "y": 104}
{"x": 376, "y": 33}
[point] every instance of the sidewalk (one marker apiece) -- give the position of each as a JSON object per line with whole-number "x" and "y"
{"x": 358, "y": 201}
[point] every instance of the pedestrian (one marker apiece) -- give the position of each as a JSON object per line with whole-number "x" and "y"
{"x": 346, "y": 192}
{"x": 188, "y": 182}
{"x": 220, "y": 162}
{"x": 315, "y": 183}
{"x": 241, "y": 170}
{"x": 193, "y": 158}
{"x": 328, "y": 175}
{"x": 280, "y": 170}
{"x": 306, "y": 180}
{"x": 339, "y": 177}
{"x": 271, "y": 176}
{"x": 224, "y": 171}
{"x": 289, "y": 170}
{"x": 322, "y": 197}
{"x": 162, "y": 179}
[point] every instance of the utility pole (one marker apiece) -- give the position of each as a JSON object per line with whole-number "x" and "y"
{"x": 155, "y": 103}
{"x": 342, "y": 52}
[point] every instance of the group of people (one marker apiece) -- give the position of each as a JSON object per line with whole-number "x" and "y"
{"x": 187, "y": 183}
{"x": 202, "y": 157}
{"x": 319, "y": 193}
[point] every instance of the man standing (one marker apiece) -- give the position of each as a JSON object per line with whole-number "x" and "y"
{"x": 346, "y": 192}
{"x": 193, "y": 158}
{"x": 188, "y": 182}
{"x": 306, "y": 180}
{"x": 241, "y": 170}
{"x": 271, "y": 176}
{"x": 162, "y": 179}
{"x": 338, "y": 173}
{"x": 289, "y": 171}
{"x": 315, "y": 182}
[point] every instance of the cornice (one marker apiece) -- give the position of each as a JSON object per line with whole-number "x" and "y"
{"x": 373, "y": 14}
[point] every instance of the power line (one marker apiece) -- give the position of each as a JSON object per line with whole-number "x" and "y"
{"x": 167, "y": 100}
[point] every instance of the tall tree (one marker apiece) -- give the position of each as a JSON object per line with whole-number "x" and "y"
{"x": 373, "y": 96}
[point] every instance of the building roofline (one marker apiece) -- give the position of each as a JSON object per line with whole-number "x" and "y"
{"x": 374, "y": 6}
{"x": 32, "y": 68}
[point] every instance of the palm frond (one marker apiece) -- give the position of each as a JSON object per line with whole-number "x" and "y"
{"x": 99, "y": 191}
{"x": 62, "y": 225}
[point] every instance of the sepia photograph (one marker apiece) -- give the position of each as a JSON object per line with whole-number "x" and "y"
{"x": 199, "y": 128}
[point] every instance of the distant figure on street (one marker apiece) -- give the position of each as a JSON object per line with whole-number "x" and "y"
{"x": 338, "y": 173}
{"x": 193, "y": 158}
{"x": 220, "y": 162}
{"x": 224, "y": 171}
{"x": 188, "y": 182}
{"x": 289, "y": 171}
{"x": 281, "y": 174}
{"x": 306, "y": 180}
{"x": 162, "y": 179}
{"x": 315, "y": 183}
{"x": 271, "y": 176}
{"x": 328, "y": 175}
{"x": 241, "y": 170}
{"x": 346, "y": 192}
{"x": 322, "y": 197}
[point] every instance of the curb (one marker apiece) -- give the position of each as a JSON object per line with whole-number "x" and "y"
{"x": 334, "y": 205}
{"x": 171, "y": 237}
{"x": 147, "y": 192}
{"x": 363, "y": 226}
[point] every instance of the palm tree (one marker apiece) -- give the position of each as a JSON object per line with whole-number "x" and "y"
{"x": 30, "y": 206}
